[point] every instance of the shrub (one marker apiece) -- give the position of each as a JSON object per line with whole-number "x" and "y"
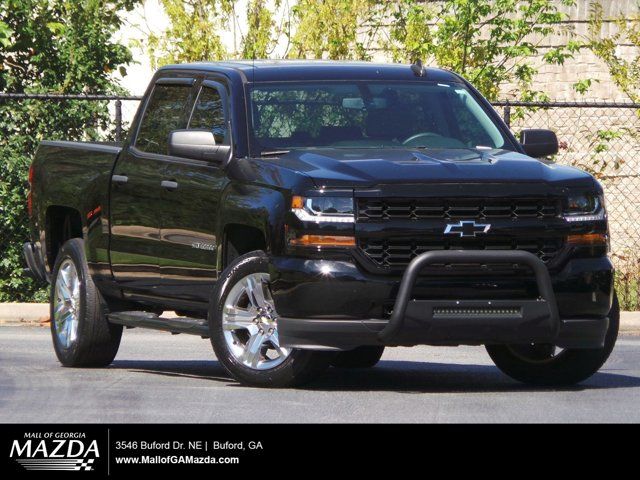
{"x": 48, "y": 46}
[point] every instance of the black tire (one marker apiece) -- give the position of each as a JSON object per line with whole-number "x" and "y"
{"x": 298, "y": 368}
{"x": 97, "y": 341}
{"x": 569, "y": 367}
{"x": 366, "y": 356}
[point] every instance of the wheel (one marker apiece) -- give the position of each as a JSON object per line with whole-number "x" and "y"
{"x": 243, "y": 326}
{"x": 82, "y": 336}
{"x": 547, "y": 365}
{"x": 362, "y": 357}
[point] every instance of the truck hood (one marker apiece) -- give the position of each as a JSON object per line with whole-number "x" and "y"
{"x": 370, "y": 167}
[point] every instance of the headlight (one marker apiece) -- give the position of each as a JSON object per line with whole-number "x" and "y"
{"x": 584, "y": 208}
{"x": 323, "y": 209}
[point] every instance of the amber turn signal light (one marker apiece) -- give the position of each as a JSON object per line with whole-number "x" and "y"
{"x": 588, "y": 239}
{"x": 297, "y": 202}
{"x": 323, "y": 241}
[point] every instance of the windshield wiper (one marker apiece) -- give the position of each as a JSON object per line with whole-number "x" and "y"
{"x": 274, "y": 153}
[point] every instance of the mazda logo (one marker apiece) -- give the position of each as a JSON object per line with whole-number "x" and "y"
{"x": 466, "y": 229}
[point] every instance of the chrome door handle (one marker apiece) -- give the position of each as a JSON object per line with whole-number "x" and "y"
{"x": 169, "y": 184}
{"x": 120, "y": 179}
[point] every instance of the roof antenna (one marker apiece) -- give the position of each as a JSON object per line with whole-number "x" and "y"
{"x": 417, "y": 68}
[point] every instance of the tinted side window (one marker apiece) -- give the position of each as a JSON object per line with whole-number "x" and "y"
{"x": 165, "y": 112}
{"x": 208, "y": 114}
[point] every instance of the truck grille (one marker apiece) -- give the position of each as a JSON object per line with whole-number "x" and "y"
{"x": 398, "y": 252}
{"x": 371, "y": 209}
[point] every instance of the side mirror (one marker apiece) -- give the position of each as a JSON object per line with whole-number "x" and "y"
{"x": 197, "y": 145}
{"x": 539, "y": 143}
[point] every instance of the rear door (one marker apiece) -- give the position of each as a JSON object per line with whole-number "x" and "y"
{"x": 188, "y": 235}
{"x": 136, "y": 192}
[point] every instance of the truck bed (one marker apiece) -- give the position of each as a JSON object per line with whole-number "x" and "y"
{"x": 74, "y": 176}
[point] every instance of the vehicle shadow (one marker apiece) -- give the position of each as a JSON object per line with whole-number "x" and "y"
{"x": 198, "y": 369}
{"x": 427, "y": 377}
{"x": 388, "y": 375}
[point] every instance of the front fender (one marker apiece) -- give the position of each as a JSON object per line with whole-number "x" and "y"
{"x": 259, "y": 207}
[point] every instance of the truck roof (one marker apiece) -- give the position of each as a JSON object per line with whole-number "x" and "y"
{"x": 309, "y": 70}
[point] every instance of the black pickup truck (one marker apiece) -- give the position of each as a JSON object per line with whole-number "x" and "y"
{"x": 308, "y": 214}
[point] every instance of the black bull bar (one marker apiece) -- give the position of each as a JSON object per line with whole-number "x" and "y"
{"x": 536, "y": 319}
{"x": 415, "y": 321}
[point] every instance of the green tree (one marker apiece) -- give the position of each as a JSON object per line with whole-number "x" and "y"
{"x": 195, "y": 27}
{"x": 192, "y": 34}
{"x": 59, "y": 46}
{"x": 625, "y": 72}
{"x": 333, "y": 29}
{"x": 490, "y": 42}
{"x": 262, "y": 31}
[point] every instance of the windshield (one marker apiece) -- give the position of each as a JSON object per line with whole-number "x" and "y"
{"x": 369, "y": 115}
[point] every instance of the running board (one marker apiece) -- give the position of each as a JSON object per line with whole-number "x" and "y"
{"x": 192, "y": 326}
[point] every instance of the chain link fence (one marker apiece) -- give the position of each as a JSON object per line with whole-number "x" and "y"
{"x": 601, "y": 138}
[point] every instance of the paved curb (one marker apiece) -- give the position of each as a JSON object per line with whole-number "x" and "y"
{"x": 630, "y": 323}
{"x": 24, "y": 313}
{"x": 30, "y": 314}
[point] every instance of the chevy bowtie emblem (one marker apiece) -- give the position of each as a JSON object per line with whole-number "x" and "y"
{"x": 466, "y": 229}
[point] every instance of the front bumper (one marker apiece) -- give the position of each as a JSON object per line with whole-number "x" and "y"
{"x": 336, "y": 305}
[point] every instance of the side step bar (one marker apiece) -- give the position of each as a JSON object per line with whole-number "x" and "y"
{"x": 192, "y": 326}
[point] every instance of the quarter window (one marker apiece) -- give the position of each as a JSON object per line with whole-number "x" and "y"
{"x": 166, "y": 111}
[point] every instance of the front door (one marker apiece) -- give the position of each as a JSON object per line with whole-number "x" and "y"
{"x": 188, "y": 234}
{"x": 136, "y": 191}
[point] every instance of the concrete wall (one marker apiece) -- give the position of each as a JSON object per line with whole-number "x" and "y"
{"x": 557, "y": 80}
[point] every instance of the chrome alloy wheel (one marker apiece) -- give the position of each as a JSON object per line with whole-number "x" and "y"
{"x": 249, "y": 322}
{"x": 66, "y": 303}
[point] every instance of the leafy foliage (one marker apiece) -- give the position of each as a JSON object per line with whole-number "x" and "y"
{"x": 192, "y": 32}
{"x": 193, "y": 25}
{"x": 624, "y": 73}
{"x": 490, "y": 42}
{"x": 330, "y": 29}
{"x": 601, "y": 163}
{"x": 48, "y": 46}
{"x": 262, "y": 31}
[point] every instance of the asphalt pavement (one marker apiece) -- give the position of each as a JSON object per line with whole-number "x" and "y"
{"x": 158, "y": 377}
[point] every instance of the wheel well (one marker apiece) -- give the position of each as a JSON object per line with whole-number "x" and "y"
{"x": 241, "y": 239}
{"x": 62, "y": 223}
